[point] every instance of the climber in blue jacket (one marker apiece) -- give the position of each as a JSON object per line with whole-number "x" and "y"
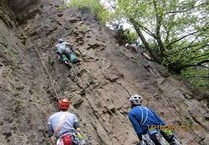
{"x": 142, "y": 118}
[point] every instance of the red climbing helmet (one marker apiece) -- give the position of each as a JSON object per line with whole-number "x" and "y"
{"x": 64, "y": 104}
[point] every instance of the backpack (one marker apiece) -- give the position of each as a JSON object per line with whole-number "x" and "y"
{"x": 73, "y": 57}
{"x": 67, "y": 140}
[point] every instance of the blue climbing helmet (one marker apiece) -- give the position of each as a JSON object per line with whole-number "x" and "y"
{"x": 136, "y": 99}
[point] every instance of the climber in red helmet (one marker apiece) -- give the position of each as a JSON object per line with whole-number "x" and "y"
{"x": 63, "y": 125}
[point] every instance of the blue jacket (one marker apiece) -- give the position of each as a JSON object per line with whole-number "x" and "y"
{"x": 141, "y": 118}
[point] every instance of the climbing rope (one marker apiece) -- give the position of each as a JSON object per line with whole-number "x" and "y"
{"x": 47, "y": 71}
{"x": 83, "y": 80}
{"x": 80, "y": 81}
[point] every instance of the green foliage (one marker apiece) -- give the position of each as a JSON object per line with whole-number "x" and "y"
{"x": 176, "y": 34}
{"x": 62, "y": 7}
{"x": 93, "y": 5}
{"x": 131, "y": 36}
{"x": 198, "y": 77}
{"x": 126, "y": 36}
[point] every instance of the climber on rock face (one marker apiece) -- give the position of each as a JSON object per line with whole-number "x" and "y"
{"x": 65, "y": 52}
{"x": 64, "y": 125}
{"x": 142, "y": 118}
{"x": 137, "y": 48}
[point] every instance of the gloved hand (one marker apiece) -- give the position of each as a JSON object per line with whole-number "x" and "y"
{"x": 78, "y": 134}
{"x": 81, "y": 139}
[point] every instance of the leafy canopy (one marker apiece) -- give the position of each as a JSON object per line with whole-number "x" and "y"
{"x": 93, "y": 5}
{"x": 175, "y": 32}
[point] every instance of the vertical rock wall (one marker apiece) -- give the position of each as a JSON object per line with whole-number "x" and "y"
{"x": 98, "y": 88}
{"x": 24, "y": 8}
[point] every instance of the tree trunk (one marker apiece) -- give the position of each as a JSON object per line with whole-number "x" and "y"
{"x": 144, "y": 41}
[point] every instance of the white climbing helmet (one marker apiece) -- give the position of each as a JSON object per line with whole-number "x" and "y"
{"x": 136, "y": 99}
{"x": 60, "y": 40}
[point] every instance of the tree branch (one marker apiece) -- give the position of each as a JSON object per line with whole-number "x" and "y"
{"x": 144, "y": 41}
{"x": 189, "y": 34}
{"x": 198, "y": 56}
{"x": 195, "y": 65}
{"x": 157, "y": 29}
{"x": 199, "y": 76}
{"x": 146, "y": 30}
{"x": 189, "y": 46}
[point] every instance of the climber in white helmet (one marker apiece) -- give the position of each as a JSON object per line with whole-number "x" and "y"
{"x": 65, "y": 52}
{"x": 142, "y": 118}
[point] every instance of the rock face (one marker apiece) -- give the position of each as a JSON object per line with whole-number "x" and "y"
{"x": 24, "y": 8}
{"x": 31, "y": 81}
